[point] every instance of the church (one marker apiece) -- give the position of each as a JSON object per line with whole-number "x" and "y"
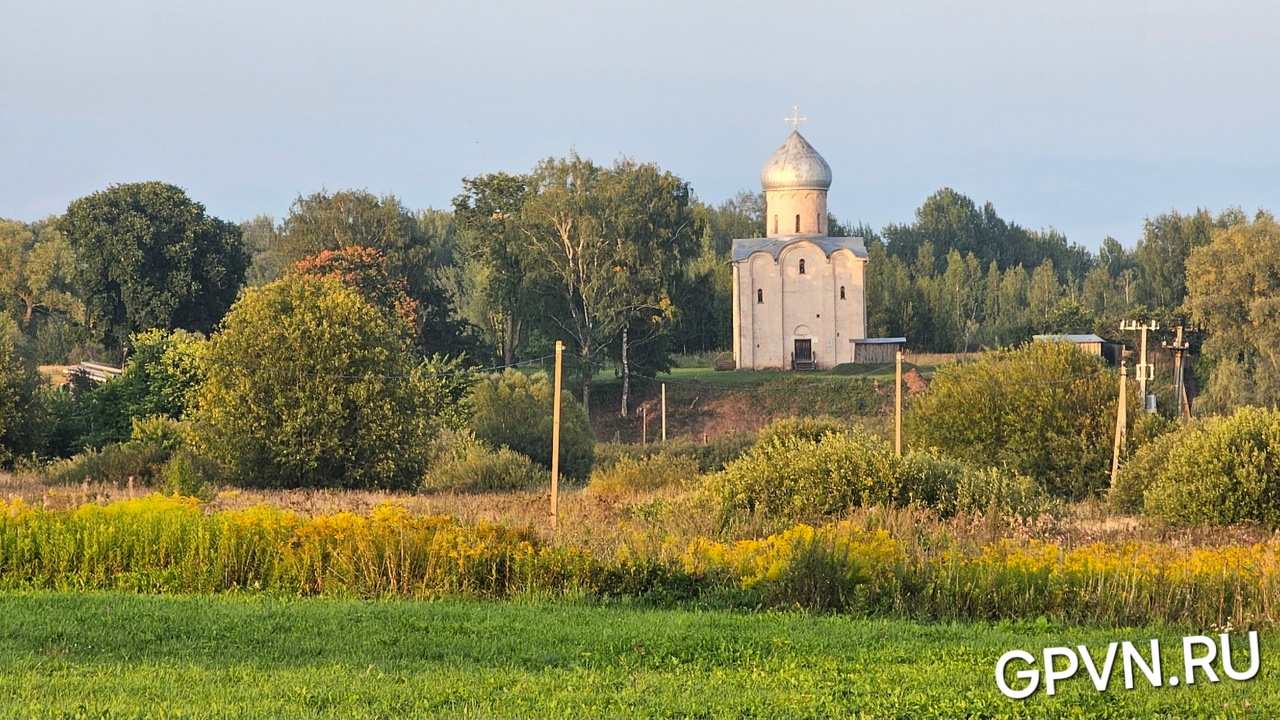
{"x": 799, "y": 297}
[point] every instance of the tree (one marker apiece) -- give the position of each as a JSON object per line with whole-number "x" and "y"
{"x": 949, "y": 221}
{"x": 487, "y": 212}
{"x": 1167, "y": 241}
{"x": 307, "y": 384}
{"x": 262, "y": 243}
{"x": 1043, "y": 295}
{"x": 18, "y": 385}
{"x": 603, "y": 246}
{"x": 1233, "y": 286}
{"x": 1045, "y": 410}
{"x": 36, "y": 266}
{"x": 149, "y": 257}
{"x": 357, "y": 218}
{"x": 365, "y": 271}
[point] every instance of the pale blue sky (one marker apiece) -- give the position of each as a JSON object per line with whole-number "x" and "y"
{"x": 1084, "y": 116}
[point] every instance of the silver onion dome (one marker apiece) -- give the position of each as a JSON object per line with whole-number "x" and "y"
{"x": 796, "y": 166}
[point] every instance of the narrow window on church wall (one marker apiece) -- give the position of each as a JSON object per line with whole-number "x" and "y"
{"x": 797, "y": 223}
{"x": 760, "y": 297}
{"x": 818, "y": 222}
{"x": 841, "y": 292}
{"x": 802, "y": 266}
{"x": 775, "y": 224}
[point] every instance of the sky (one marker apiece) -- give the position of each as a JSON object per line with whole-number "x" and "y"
{"x": 1083, "y": 116}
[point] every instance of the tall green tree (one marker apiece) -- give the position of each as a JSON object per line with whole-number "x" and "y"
{"x": 36, "y": 266}
{"x": 603, "y": 246}
{"x": 147, "y": 256}
{"x": 1233, "y": 286}
{"x": 262, "y": 242}
{"x": 1161, "y": 255}
{"x": 497, "y": 295}
{"x": 18, "y": 387}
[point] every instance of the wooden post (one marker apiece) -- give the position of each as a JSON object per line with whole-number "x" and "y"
{"x": 1122, "y": 422}
{"x": 555, "y": 444}
{"x": 897, "y": 409}
{"x": 644, "y": 424}
{"x": 664, "y": 412}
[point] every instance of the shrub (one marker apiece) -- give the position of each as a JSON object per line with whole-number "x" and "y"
{"x": 951, "y": 487}
{"x": 1000, "y": 492}
{"x": 1222, "y": 471}
{"x": 1045, "y": 410}
{"x": 514, "y": 410}
{"x": 802, "y": 428}
{"x": 190, "y": 474}
{"x": 161, "y": 378}
{"x": 790, "y": 475}
{"x": 929, "y": 478}
{"x": 646, "y": 473}
{"x": 710, "y": 456}
{"x": 464, "y": 464}
{"x": 1139, "y": 472}
{"x": 143, "y": 458}
{"x": 117, "y": 462}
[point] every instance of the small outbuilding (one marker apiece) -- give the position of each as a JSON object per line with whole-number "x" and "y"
{"x": 1090, "y": 343}
{"x": 877, "y": 350}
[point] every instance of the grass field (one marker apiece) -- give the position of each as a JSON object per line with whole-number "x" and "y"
{"x": 113, "y": 655}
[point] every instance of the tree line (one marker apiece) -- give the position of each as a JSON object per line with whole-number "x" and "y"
{"x": 626, "y": 265}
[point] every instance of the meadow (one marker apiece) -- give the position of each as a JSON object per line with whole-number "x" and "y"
{"x": 111, "y": 655}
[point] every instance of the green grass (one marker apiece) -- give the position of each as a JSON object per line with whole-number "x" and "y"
{"x": 112, "y": 655}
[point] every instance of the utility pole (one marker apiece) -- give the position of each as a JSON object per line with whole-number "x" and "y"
{"x": 1178, "y": 346}
{"x": 1122, "y": 423}
{"x": 555, "y": 444}
{"x": 897, "y": 409}
{"x": 1145, "y": 370}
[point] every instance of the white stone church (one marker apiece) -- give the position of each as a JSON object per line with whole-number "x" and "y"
{"x": 799, "y": 297}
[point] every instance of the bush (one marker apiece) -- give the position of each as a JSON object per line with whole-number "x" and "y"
{"x": 642, "y": 474}
{"x": 117, "y": 462}
{"x": 190, "y": 474}
{"x": 1000, "y": 492}
{"x": 791, "y": 475}
{"x": 802, "y": 428}
{"x": 950, "y": 487}
{"x": 1138, "y": 473}
{"x": 1045, "y": 410}
{"x": 710, "y": 456}
{"x": 514, "y": 410}
{"x": 161, "y": 378}
{"x": 1221, "y": 471}
{"x": 143, "y": 458}
{"x": 464, "y": 464}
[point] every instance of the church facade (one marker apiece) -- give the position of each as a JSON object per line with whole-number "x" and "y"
{"x": 799, "y": 297}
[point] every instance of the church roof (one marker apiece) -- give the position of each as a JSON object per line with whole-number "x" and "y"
{"x": 796, "y": 166}
{"x": 743, "y": 248}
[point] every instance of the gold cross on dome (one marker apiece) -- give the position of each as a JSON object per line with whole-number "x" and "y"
{"x": 795, "y": 119}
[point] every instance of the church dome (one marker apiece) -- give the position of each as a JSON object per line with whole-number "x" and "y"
{"x": 796, "y": 166}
